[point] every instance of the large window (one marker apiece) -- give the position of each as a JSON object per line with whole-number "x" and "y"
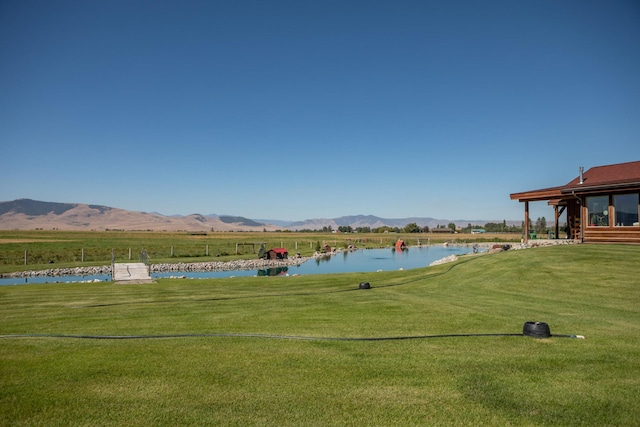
{"x": 626, "y": 209}
{"x": 598, "y": 208}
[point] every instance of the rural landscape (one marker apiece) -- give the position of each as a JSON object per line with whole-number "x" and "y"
{"x": 319, "y": 213}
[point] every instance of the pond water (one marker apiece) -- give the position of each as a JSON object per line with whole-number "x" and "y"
{"x": 361, "y": 260}
{"x": 57, "y": 279}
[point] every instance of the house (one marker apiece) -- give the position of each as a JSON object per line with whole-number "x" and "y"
{"x": 602, "y": 204}
{"x": 277, "y": 253}
{"x": 477, "y": 231}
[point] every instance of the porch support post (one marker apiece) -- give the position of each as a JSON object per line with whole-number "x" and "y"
{"x": 557, "y": 216}
{"x": 526, "y": 221}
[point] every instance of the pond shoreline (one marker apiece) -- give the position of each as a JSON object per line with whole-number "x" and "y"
{"x": 163, "y": 268}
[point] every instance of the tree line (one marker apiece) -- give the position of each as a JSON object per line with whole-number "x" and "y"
{"x": 540, "y": 226}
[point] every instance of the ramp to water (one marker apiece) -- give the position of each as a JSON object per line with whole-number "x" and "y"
{"x": 131, "y": 272}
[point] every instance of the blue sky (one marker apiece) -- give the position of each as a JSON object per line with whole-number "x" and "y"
{"x": 314, "y": 109}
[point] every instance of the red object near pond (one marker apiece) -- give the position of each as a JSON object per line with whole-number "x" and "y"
{"x": 400, "y": 244}
{"x": 278, "y": 253}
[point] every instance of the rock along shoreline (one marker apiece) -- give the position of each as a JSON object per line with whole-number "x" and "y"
{"x": 245, "y": 264}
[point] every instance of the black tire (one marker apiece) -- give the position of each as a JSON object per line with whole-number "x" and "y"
{"x": 365, "y": 285}
{"x": 536, "y": 330}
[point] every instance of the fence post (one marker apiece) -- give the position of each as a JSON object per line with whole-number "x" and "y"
{"x": 129, "y": 254}
{"x": 207, "y": 253}
{"x": 236, "y": 249}
{"x": 82, "y": 255}
{"x": 26, "y": 256}
{"x": 171, "y": 251}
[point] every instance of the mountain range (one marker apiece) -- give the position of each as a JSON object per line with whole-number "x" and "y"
{"x": 27, "y": 214}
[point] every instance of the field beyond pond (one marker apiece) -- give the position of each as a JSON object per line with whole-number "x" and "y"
{"x": 272, "y": 350}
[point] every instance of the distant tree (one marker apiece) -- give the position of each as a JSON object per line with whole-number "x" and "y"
{"x": 452, "y": 226}
{"x": 363, "y": 229}
{"x": 425, "y": 229}
{"x": 541, "y": 225}
{"x": 412, "y": 228}
{"x": 262, "y": 253}
{"x": 492, "y": 227}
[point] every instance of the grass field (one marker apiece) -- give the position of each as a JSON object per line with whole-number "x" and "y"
{"x": 230, "y": 351}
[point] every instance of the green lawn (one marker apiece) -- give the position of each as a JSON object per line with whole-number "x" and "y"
{"x": 250, "y": 377}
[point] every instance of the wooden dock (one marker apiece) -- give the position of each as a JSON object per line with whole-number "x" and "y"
{"x": 133, "y": 272}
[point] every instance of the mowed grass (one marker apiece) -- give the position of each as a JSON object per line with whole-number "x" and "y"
{"x": 260, "y": 374}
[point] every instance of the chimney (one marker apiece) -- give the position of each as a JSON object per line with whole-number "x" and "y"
{"x": 581, "y": 172}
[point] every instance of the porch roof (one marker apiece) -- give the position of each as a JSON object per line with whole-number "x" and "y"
{"x": 594, "y": 180}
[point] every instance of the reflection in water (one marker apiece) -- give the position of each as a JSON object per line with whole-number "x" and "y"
{"x": 277, "y": 271}
{"x": 322, "y": 258}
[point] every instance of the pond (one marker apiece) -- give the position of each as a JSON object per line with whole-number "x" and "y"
{"x": 361, "y": 260}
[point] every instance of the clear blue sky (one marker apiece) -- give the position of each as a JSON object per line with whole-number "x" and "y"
{"x": 314, "y": 109}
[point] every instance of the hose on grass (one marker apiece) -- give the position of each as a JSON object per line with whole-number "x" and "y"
{"x": 268, "y": 336}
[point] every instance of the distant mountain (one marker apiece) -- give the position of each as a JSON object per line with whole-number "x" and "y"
{"x": 279, "y": 222}
{"x": 239, "y": 220}
{"x": 26, "y": 214}
{"x": 34, "y": 207}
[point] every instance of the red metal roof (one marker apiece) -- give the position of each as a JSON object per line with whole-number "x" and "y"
{"x": 620, "y": 173}
{"x": 280, "y": 250}
{"x": 620, "y": 176}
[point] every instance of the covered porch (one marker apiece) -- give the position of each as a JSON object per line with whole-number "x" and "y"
{"x": 560, "y": 204}
{"x": 601, "y": 204}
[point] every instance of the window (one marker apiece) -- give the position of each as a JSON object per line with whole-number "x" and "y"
{"x": 598, "y": 208}
{"x": 626, "y": 208}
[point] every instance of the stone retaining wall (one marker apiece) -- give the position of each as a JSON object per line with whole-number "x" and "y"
{"x": 243, "y": 264}
{"x": 55, "y": 272}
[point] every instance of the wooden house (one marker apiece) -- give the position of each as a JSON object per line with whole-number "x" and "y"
{"x": 277, "y": 253}
{"x": 602, "y": 204}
